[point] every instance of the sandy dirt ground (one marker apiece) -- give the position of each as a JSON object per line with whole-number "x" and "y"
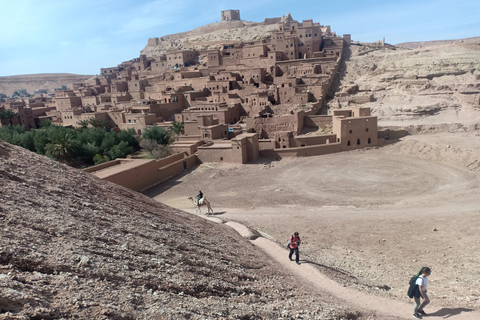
{"x": 368, "y": 219}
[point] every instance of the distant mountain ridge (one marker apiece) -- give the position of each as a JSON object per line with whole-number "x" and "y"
{"x": 32, "y": 82}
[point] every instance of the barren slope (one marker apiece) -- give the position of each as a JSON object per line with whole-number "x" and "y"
{"x": 73, "y": 246}
{"x": 426, "y": 85}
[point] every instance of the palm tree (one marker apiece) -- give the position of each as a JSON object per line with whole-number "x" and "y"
{"x": 98, "y": 123}
{"x": 8, "y": 114}
{"x": 176, "y": 128}
{"x": 84, "y": 123}
{"x": 62, "y": 148}
{"x": 46, "y": 124}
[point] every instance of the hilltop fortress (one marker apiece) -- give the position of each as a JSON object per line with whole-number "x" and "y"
{"x": 241, "y": 94}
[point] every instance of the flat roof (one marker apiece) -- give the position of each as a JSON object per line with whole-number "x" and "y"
{"x": 125, "y": 164}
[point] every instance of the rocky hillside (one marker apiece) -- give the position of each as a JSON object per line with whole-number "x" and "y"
{"x": 212, "y": 37}
{"x": 33, "y": 82}
{"x": 74, "y": 246}
{"x": 428, "y": 83}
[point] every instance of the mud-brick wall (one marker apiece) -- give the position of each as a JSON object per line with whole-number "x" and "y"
{"x": 149, "y": 173}
{"x": 314, "y": 121}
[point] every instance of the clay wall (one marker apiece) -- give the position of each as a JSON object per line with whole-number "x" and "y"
{"x": 40, "y": 111}
{"x": 257, "y": 75}
{"x": 354, "y": 133}
{"x": 108, "y": 71}
{"x": 152, "y": 42}
{"x": 223, "y": 152}
{"x": 92, "y": 100}
{"x": 214, "y": 59}
{"x": 306, "y": 151}
{"x": 269, "y": 126}
{"x": 187, "y": 147}
{"x": 266, "y": 144}
{"x": 159, "y": 64}
{"x": 241, "y": 149}
{"x": 218, "y": 86}
{"x": 136, "y": 85}
{"x": 197, "y": 84}
{"x": 117, "y": 117}
{"x": 145, "y": 174}
{"x": 180, "y": 58}
{"x": 255, "y": 103}
{"x": 317, "y": 121}
{"x": 230, "y": 15}
{"x": 187, "y": 75}
{"x": 67, "y": 103}
{"x": 254, "y": 51}
{"x": 313, "y": 140}
{"x": 138, "y": 121}
{"x": 219, "y": 131}
{"x": 121, "y": 97}
{"x": 119, "y": 87}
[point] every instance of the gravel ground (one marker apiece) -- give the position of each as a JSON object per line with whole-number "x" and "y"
{"x": 369, "y": 219}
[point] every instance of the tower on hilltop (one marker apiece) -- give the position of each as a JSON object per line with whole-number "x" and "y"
{"x": 231, "y": 15}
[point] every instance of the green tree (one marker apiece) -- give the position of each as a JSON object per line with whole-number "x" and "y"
{"x": 149, "y": 145}
{"x": 130, "y": 137}
{"x": 158, "y": 134}
{"x": 46, "y": 123}
{"x": 27, "y": 140}
{"x": 99, "y": 123}
{"x": 161, "y": 151}
{"x": 83, "y": 124}
{"x": 120, "y": 150}
{"x": 176, "y": 128}
{"x": 40, "y": 141}
{"x": 8, "y": 114}
{"x": 62, "y": 148}
{"x": 98, "y": 158}
{"x": 15, "y": 93}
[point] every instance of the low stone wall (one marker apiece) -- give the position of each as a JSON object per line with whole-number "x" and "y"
{"x": 302, "y": 151}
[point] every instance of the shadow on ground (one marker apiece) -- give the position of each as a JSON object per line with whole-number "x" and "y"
{"x": 449, "y": 312}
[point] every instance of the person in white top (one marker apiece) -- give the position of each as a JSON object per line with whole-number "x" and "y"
{"x": 422, "y": 283}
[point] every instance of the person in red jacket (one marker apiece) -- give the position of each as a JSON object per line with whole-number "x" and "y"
{"x": 294, "y": 243}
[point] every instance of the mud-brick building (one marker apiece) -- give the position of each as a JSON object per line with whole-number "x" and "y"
{"x": 221, "y": 111}
{"x": 243, "y": 148}
{"x": 355, "y": 128}
{"x": 231, "y": 15}
{"x": 67, "y": 100}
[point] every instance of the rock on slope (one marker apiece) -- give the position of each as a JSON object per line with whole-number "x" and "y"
{"x": 73, "y": 246}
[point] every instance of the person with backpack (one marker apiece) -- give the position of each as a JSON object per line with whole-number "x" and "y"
{"x": 417, "y": 290}
{"x": 293, "y": 244}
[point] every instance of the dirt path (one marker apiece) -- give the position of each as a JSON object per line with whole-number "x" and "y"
{"x": 379, "y": 305}
{"x": 368, "y": 219}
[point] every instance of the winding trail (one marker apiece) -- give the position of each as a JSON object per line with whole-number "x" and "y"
{"x": 380, "y": 306}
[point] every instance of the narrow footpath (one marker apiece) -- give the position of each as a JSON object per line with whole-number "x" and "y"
{"x": 364, "y": 301}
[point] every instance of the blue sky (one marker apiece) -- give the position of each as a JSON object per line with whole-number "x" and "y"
{"x": 82, "y": 36}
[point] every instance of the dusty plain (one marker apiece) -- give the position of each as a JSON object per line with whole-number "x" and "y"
{"x": 371, "y": 218}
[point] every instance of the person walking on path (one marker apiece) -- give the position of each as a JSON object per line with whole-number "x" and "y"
{"x": 422, "y": 282}
{"x": 294, "y": 242}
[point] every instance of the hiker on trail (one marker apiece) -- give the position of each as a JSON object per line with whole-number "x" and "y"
{"x": 200, "y": 196}
{"x": 422, "y": 282}
{"x": 294, "y": 242}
